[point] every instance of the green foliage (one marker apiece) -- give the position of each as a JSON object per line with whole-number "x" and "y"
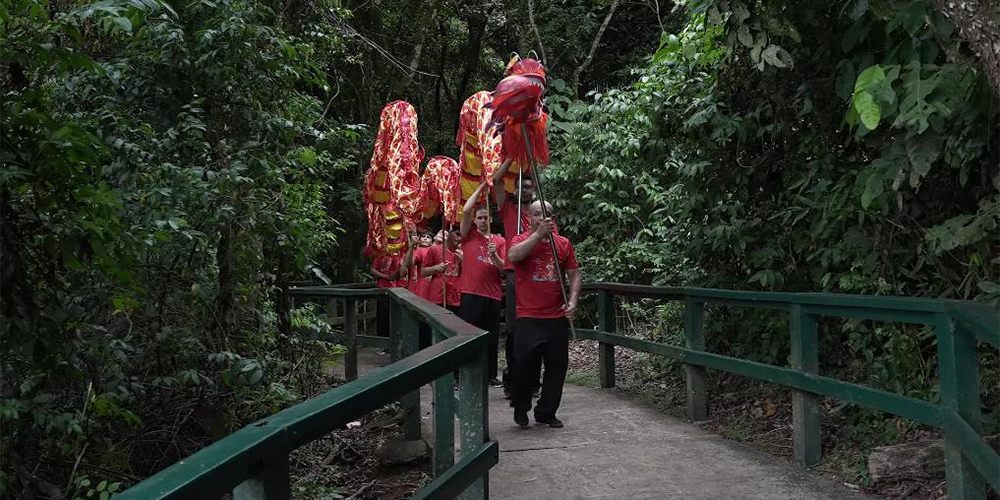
{"x": 794, "y": 147}
{"x": 748, "y": 171}
{"x": 166, "y": 174}
{"x": 86, "y": 489}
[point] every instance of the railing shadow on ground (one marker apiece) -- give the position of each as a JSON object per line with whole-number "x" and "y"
{"x": 252, "y": 463}
{"x": 970, "y": 464}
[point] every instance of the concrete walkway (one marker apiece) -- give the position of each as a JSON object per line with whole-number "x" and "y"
{"x": 613, "y": 447}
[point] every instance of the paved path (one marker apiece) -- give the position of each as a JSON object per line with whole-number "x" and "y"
{"x": 616, "y": 448}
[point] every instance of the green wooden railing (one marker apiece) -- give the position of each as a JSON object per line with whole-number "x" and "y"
{"x": 252, "y": 463}
{"x": 970, "y": 463}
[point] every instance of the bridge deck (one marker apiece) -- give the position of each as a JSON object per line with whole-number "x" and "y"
{"x": 616, "y": 448}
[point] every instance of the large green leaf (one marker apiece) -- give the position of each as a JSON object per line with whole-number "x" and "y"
{"x": 777, "y": 57}
{"x": 922, "y": 150}
{"x": 914, "y": 110}
{"x": 870, "y": 80}
{"x": 845, "y": 79}
{"x": 758, "y": 46}
{"x": 744, "y": 36}
{"x": 868, "y": 109}
{"x": 874, "y": 187}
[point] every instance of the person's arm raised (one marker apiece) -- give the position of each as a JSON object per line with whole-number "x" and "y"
{"x": 499, "y": 195}
{"x": 408, "y": 257}
{"x": 469, "y": 211}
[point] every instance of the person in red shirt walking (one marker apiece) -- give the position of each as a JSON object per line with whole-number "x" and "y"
{"x": 481, "y": 282}
{"x": 542, "y": 317}
{"x": 507, "y": 204}
{"x": 507, "y": 208}
{"x": 413, "y": 261}
{"x": 443, "y": 265}
{"x": 386, "y": 269}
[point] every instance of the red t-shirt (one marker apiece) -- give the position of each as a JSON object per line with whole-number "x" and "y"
{"x": 418, "y": 285}
{"x": 386, "y": 264}
{"x": 479, "y": 275}
{"x": 538, "y": 290}
{"x": 432, "y": 258}
{"x": 508, "y": 212}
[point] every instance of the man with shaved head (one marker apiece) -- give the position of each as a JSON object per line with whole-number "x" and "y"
{"x": 542, "y": 318}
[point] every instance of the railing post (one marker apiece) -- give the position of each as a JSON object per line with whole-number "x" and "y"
{"x": 695, "y": 379}
{"x": 269, "y": 480}
{"x": 606, "y": 352}
{"x": 370, "y": 323}
{"x": 957, "y": 364}
{"x": 403, "y": 342}
{"x": 331, "y": 310}
{"x": 444, "y": 419}
{"x": 473, "y": 420}
{"x": 807, "y": 436}
{"x": 351, "y": 338}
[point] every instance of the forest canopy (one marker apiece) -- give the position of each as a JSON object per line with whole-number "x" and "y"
{"x": 170, "y": 169}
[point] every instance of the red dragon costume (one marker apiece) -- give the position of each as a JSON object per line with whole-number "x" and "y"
{"x": 480, "y": 145}
{"x": 439, "y": 189}
{"x": 391, "y": 191}
{"x": 517, "y": 101}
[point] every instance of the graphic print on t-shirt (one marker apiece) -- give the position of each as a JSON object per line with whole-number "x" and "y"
{"x": 538, "y": 292}
{"x": 451, "y": 266}
{"x": 450, "y": 275}
{"x": 386, "y": 264}
{"x": 544, "y": 270}
{"x": 480, "y": 275}
{"x": 482, "y": 254}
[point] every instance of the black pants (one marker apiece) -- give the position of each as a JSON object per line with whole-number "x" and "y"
{"x": 510, "y": 314}
{"x": 538, "y": 342}
{"x": 383, "y": 326}
{"x": 425, "y": 338}
{"x": 484, "y": 312}
{"x": 510, "y": 325}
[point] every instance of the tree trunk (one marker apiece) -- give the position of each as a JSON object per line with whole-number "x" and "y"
{"x": 477, "y": 27}
{"x": 283, "y": 300}
{"x": 538, "y": 36}
{"x": 224, "y": 261}
{"x": 593, "y": 48}
{"x": 441, "y": 80}
{"x": 11, "y": 270}
{"x": 979, "y": 25}
{"x": 913, "y": 460}
{"x": 418, "y": 50}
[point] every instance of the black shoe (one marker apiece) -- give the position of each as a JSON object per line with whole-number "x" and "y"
{"x": 553, "y": 422}
{"x": 506, "y": 392}
{"x": 495, "y": 382}
{"x": 521, "y": 418}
